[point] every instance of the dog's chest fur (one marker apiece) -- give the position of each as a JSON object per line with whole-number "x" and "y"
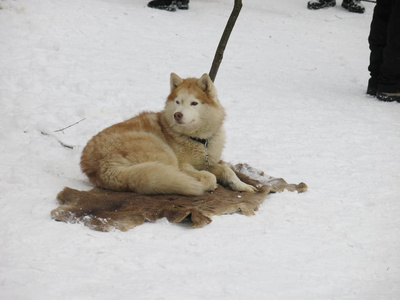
{"x": 199, "y": 154}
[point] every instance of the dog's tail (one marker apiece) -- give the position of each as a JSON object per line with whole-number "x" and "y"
{"x": 149, "y": 178}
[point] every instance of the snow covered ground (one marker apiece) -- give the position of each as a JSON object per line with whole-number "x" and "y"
{"x": 293, "y": 83}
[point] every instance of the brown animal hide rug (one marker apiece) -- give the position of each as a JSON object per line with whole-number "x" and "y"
{"x": 106, "y": 210}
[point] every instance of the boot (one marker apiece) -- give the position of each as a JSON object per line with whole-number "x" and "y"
{"x": 169, "y": 5}
{"x": 183, "y": 4}
{"x": 353, "y": 6}
{"x": 372, "y": 88}
{"x": 378, "y": 89}
{"x": 388, "y": 97}
{"x": 317, "y": 4}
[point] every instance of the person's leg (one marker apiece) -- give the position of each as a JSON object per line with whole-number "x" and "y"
{"x": 389, "y": 81}
{"x": 377, "y": 42}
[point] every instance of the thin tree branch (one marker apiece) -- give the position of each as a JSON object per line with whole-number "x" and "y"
{"x": 62, "y": 129}
{"x": 219, "y": 54}
{"x": 58, "y": 140}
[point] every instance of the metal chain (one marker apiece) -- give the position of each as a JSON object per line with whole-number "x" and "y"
{"x": 207, "y": 160}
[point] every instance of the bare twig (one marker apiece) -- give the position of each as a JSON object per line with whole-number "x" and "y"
{"x": 62, "y": 129}
{"x": 58, "y": 140}
{"x": 219, "y": 54}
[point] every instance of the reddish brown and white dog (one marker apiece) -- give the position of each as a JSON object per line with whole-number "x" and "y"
{"x": 177, "y": 150}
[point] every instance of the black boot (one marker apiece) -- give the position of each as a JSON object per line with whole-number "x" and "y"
{"x": 372, "y": 88}
{"x": 388, "y": 97}
{"x": 169, "y": 5}
{"x": 353, "y": 6}
{"x": 376, "y": 87}
{"x": 183, "y": 4}
{"x": 317, "y": 4}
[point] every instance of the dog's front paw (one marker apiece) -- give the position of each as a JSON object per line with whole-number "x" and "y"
{"x": 242, "y": 187}
{"x": 208, "y": 180}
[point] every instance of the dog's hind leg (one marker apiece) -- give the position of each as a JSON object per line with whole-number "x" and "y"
{"x": 151, "y": 178}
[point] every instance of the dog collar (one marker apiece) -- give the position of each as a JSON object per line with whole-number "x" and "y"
{"x": 202, "y": 141}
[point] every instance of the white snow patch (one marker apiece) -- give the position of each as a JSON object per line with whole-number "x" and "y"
{"x": 293, "y": 82}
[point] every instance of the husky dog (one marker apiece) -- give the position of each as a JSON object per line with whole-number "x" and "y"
{"x": 177, "y": 150}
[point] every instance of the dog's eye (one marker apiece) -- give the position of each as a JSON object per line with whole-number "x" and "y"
{"x": 193, "y": 103}
{"x": 177, "y": 102}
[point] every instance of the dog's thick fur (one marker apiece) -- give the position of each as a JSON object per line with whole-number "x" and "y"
{"x": 164, "y": 152}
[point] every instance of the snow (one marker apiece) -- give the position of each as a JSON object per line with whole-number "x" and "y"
{"x": 293, "y": 83}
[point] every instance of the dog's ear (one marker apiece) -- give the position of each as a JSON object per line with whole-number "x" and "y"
{"x": 205, "y": 83}
{"x": 175, "y": 81}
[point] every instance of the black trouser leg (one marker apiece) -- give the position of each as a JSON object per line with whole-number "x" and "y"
{"x": 384, "y": 41}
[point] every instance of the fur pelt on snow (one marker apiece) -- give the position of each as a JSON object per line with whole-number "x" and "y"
{"x": 106, "y": 210}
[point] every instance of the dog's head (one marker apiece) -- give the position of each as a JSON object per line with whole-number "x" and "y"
{"x": 193, "y": 107}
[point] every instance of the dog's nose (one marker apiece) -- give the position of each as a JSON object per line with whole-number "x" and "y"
{"x": 178, "y": 116}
